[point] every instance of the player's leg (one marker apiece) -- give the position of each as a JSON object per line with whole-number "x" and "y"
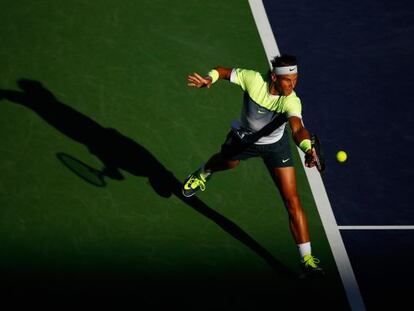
{"x": 229, "y": 157}
{"x": 198, "y": 179}
{"x": 219, "y": 162}
{"x": 285, "y": 180}
{"x": 278, "y": 159}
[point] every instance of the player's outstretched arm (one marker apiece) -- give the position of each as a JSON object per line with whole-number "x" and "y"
{"x": 197, "y": 81}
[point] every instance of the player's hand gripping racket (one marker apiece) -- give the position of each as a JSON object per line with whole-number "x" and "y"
{"x": 319, "y": 157}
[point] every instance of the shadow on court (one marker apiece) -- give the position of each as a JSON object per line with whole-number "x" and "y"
{"x": 118, "y": 152}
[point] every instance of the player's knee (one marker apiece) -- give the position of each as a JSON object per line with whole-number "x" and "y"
{"x": 232, "y": 164}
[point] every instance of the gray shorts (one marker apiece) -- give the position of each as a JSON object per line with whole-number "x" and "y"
{"x": 274, "y": 155}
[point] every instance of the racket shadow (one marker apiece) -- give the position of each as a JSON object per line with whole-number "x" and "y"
{"x": 118, "y": 152}
{"x": 82, "y": 170}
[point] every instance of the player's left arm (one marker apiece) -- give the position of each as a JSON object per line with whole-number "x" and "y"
{"x": 301, "y": 136}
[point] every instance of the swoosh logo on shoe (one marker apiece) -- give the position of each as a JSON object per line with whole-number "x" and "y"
{"x": 284, "y": 161}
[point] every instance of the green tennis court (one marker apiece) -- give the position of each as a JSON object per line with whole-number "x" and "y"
{"x": 117, "y": 72}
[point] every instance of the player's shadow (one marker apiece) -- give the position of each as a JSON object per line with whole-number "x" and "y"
{"x": 118, "y": 152}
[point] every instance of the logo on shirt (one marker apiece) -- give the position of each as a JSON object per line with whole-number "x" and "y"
{"x": 284, "y": 161}
{"x": 261, "y": 111}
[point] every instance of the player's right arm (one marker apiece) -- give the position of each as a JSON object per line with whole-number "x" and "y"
{"x": 197, "y": 81}
{"x": 301, "y": 137}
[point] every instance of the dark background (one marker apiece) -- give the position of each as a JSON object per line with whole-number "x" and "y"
{"x": 356, "y": 64}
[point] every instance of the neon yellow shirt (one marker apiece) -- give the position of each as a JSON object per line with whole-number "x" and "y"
{"x": 260, "y": 107}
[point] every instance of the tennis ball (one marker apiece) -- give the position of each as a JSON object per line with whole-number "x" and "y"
{"x": 341, "y": 156}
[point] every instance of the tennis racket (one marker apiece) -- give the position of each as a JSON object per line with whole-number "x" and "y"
{"x": 320, "y": 158}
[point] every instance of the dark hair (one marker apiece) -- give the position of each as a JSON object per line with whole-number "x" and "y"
{"x": 284, "y": 60}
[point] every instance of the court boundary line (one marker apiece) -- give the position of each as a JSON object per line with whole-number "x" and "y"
{"x": 384, "y": 227}
{"x": 315, "y": 180}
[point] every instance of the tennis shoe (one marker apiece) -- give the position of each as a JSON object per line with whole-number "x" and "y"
{"x": 194, "y": 182}
{"x": 310, "y": 268}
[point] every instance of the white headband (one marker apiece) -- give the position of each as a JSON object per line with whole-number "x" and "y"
{"x": 286, "y": 70}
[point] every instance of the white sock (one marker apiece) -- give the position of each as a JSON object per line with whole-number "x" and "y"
{"x": 204, "y": 173}
{"x": 304, "y": 249}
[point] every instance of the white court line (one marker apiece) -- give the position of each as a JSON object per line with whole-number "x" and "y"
{"x": 315, "y": 180}
{"x": 376, "y": 227}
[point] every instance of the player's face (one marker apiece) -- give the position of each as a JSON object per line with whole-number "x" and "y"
{"x": 286, "y": 83}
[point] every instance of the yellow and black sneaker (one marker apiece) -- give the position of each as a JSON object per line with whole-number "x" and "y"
{"x": 310, "y": 268}
{"x": 195, "y": 181}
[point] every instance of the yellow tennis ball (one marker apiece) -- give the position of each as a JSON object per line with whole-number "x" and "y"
{"x": 341, "y": 156}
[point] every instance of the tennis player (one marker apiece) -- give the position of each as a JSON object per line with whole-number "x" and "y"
{"x": 269, "y": 103}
